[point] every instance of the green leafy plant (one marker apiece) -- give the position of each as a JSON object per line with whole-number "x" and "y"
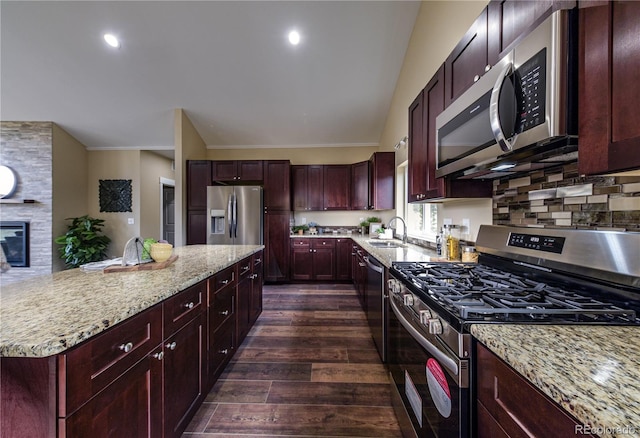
{"x": 374, "y": 220}
{"x": 300, "y": 227}
{"x": 83, "y": 242}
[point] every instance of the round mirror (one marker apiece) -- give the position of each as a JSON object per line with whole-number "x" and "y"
{"x": 8, "y": 182}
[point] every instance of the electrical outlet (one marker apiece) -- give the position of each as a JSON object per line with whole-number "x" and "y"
{"x": 130, "y": 221}
{"x": 466, "y": 225}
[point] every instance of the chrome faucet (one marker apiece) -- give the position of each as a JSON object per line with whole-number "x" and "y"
{"x": 404, "y": 225}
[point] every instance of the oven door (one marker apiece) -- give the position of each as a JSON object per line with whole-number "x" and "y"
{"x": 430, "y": 384}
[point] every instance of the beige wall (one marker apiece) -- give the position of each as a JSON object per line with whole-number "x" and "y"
{"x": 188, "y": 146}
{"x": 115, "y": 164}
{"x": 70, "y": 192}
{"x": 152, "y": 168}
{"x": 302, "y": 155}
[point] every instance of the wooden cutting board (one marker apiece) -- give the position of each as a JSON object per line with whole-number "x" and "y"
{"x": 143, "y": 267}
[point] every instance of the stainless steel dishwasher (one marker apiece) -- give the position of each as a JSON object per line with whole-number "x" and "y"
{"x": 376, "y": 304}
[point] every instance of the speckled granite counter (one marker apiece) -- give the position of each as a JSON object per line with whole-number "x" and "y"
{"x": 593, "y": 372}
{"x": 408, "y": 252}
{"x": 46, "y": 315}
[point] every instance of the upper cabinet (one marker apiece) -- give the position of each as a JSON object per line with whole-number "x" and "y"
{"x": 277, "y": 185}
{"x": 360, "y": 185}
{"x": 307, "y": 186}
{"x": 198, "y": 178}
{"x": 609, "y": 89}
{"x": 237, "y": 170}
{"x": 468, "y": 60}
{"x": 382, "y": 177}
{"x": 337, "y": 193}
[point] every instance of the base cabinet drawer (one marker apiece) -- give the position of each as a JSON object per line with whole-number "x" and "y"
{"x": 222, "y": 350}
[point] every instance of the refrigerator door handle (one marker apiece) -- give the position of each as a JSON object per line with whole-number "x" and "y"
{"x": 235, "y": 215}
{"x": 230, "y": 215}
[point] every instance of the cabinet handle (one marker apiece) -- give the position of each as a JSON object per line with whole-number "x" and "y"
{"x": 224, "y": 313}
{"x": 126, "y": 347}
{"x": 310, "y": 250}
{"x": 159, "y": 356}
{"x": 189, "y": 305}
{"x": 258, "y": 261}
{"x": 362, "y": 265}
{"x": 487, "y": 67}
{"x": 225, "y": 282}
{"x": 246, "y": 268}
{"x": 253, "y": 276}
{"x": 171, "y": 346}
{"x": 476, "y": 78}
{"x": 225, "y": 351}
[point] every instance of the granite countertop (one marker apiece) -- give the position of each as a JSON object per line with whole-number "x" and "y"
{"x": 47, "y": 315}
{"x": 593, "y": 372}
{"x": 405, "y": 253}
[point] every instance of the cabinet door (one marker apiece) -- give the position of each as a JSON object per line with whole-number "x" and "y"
{"x": 197, "y": 227}
{"x": 417, "y": 172}
{"x": 257, "y": 279}
{"x": 299, "y": 187}
{"x": 243, "y": 309}
{"x": 315, "y": 187}
{"x": 324, "y": 264}
{"x": 184, "y": 362}
{"x": 302, "y": 263}
{"x": 250, "y": 170}
{"x": 276, "y": 238}
{"x": 433, "y": 106}
{"x": 130, "y": 407}
{"x": 224, "y": 170}
{"x": 343, "y": 259}
{"x": 360, "y": 186}
{"x": 198, "y": 178}
{"x": 467, "y": 61}
{"x": 382, "y": 177}
{"x": 277, "y": 185}
{"x": 609, "y": 89}
{"x": 337, "y": 191}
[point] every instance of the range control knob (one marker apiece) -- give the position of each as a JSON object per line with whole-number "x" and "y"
{"x": 407, "y": 299}
{"x": 394, "y": 286}
{"x": 425, "y": 316}
{"x": 435, "y": 326}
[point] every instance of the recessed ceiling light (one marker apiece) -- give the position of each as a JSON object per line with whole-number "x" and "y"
{"x": 294, "y": 37}
{"x": 112, "y": 40}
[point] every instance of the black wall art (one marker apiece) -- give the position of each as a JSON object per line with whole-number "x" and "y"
{"x": 115, "y": 195}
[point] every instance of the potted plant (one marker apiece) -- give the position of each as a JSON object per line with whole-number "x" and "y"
{"x": 83, "y": 242}
{"x": 300, "y": 229}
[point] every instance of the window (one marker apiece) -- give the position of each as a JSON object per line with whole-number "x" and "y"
{"x": 422, "y": 219}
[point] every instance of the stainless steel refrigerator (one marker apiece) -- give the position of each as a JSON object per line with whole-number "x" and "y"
{"x": 235, "y": 215}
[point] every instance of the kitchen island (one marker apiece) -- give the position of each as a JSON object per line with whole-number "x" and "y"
{"x": 592, "y": 372}
{"x": 88, "y": 352}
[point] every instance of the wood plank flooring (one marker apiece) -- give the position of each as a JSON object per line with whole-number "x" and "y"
{"x": 308, "y": 368}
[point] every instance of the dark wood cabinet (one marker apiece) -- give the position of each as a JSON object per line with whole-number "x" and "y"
{"x": 418, "y": 165}
{"x": 277, "y": 177}
{"x": 609, "y": 89}
{"x": 198, "y": 178}
{"x": 243, "y": 298}
{"x": 257, "y": 280}
{"x": 343, "y": 259}
{"x": 307, "y": 187}
{"x": 382, "y": 177}
{"x": 360, "y": 186}
{"x": 468, "y": 61}
{"x": 276, "y": 236}
{"x": 501, "y": 411}
{"x": 221, "y": 322}
{"x": 337, "y": 194}
{"x": 237, "y": 171}
{"x": 313, "y": 259}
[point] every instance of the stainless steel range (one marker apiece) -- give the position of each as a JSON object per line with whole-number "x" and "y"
{"x": 523, "y": 276}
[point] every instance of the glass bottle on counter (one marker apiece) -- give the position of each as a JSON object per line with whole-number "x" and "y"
{"x": 439, "y": 242}
{"x": 452, "y": 242}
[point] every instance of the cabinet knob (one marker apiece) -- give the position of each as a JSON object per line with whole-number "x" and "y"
{"x": 253, "y": 276}
{"x": 225, "y": 351}
{"x": 171, "y": 346}
{"x": 159, "y": 356}
{"x": 225, "y": 282}
{"x": 487, "y": 67}
{"x": 224, "y": 313}
{"x": 246, "y": 268}
{"x": 189, "y": 305}
{"x": 476, "y": 78}
{"x": 126, "y": 347}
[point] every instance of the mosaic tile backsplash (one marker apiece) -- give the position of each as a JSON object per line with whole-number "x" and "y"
{"x": 559, "y": 197}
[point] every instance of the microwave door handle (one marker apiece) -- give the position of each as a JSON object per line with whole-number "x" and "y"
{"x": 494, "y": 112}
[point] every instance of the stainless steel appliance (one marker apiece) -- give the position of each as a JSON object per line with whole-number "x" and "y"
{"x": 524, "y": 275}
{"x": 235, "y": 215}
{"x": 521, "y": 114}
{"x": 376, "y": 304}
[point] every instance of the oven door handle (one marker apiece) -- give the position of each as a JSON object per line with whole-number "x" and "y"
{"x": 441, "y": 357}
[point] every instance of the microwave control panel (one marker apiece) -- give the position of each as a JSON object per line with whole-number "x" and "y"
{"x": 531, "y": 78}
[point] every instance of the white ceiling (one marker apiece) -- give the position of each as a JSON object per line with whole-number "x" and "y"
{"x": 227, "y": 64}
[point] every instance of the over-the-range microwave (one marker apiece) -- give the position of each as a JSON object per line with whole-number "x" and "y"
{"x": 520, "y": 115}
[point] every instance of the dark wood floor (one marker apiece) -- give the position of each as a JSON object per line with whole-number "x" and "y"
{"x": 307, "y": 369}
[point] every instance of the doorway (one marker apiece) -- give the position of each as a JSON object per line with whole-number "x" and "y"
{"x": 167, "y": 210}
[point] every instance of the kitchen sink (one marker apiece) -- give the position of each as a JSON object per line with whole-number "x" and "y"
{"x": 385, "y": 244}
